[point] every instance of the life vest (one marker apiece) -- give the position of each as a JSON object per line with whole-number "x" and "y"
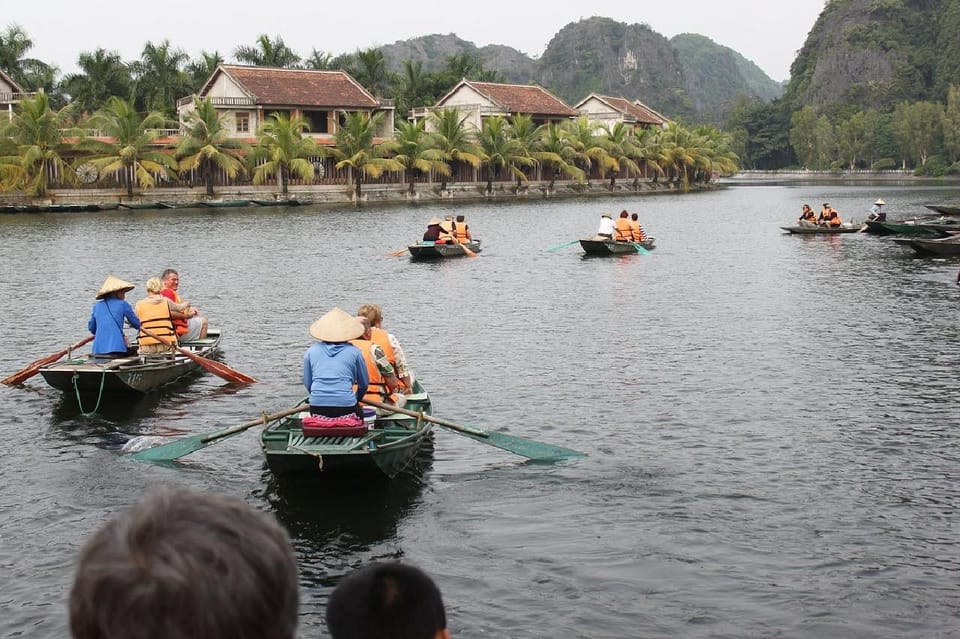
{"x": 637, "y": 231}
{"x": 179, "y": 324}
{"x": 155, "y": 317}
{"x": 623, "y": 231}
{"x": 834, "y": 219}
{"x": 461, "y": 232}
{"x": 379, "y": 337}
{"x": 377, "y": 388}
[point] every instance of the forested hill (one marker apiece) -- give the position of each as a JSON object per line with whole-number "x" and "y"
{"x": 689, "y": 77}
{"x": 864, "y": 54}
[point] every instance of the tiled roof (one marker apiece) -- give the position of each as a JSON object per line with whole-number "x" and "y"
{"x": 637, "y": 110}
{"x": 523, "y": 98}
{"x": 298, "y": 87}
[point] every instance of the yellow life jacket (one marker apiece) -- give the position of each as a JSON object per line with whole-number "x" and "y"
{"x": 461, "y": 232}
{"x": 377, "y": 388}
{"x": 623, "y": 232}
{"x": 155, "y": 317}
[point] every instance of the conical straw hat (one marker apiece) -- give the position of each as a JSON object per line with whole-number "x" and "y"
{"x": 336, "y": 326}
{"x": 112, "y": 285}
{"x": 880, "y": 201}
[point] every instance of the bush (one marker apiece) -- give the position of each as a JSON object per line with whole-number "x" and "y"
{"x": 885, "y": 164}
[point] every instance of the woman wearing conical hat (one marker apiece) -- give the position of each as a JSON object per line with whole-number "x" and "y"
{"x": 106, "y": 319}
{"x": 334, "y": 370}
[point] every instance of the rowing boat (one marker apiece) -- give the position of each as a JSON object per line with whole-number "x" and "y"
{"x": 426, "y": 250}
{"x": 88, "y": 374}
{"x": 948, "y": 246}
{"x": 382, "y": 450}
{"x": 614, "y": 247}
{"x": 822, "y": 230}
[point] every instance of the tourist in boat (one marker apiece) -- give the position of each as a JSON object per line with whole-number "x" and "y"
{"x": 637, "y": 232}
{"x": 186, "y": 563}
{"x": 384, "y": 386}
{"x": 829, "y": 217}
{"x": 387, "y": 599}
{"x": 876, "y": 211}
{"x": 446, "y": 232}
{"x": 334, "y": 370}
{"x": 156, "y": 313}
{"x": 621, "y": 228}
{"x": 188, "y": 329}
{"x": 807, "y": 217}
{"x": 461, "y": 230}
{"x": 607, "y": 227}
{"x": 389, "y": 343}
{"x": 432, "y": 234}
{"x": 107, "y": 316}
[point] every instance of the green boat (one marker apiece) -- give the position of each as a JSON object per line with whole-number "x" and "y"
{"x": 911, "y": 228}
{"x": 225, "y": 203}
{"x": 426, "y": 250}
{"x": 614, "y": 247}
{"x": 381, "y": 451}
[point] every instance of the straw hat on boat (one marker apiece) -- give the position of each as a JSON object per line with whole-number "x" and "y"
{"x": 880, "y": 201}
{"x": 336, "y": 326}
{"x": 114, "y": 285}
{"x": 434, "y": 220}
{"x": 447, "y": 225}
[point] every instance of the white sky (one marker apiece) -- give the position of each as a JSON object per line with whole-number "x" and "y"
{"x": 768, "y": 32}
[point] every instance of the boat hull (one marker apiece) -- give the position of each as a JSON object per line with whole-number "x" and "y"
{"x": 820, "y": 230}
{"x": 431, "y": 251}
{"x": 383, "y": 452}
{"x": 613, "y": 247}
{"x": 127, "y": 375}
{"x": 948, "y": 246}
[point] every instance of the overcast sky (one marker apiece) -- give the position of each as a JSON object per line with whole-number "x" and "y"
{"x": 768, "y": 32}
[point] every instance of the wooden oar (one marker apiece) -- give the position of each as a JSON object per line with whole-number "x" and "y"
{"x": 640, "y": 249}
{"x": 33, "y": 368}
{"x": 186, "y": 445}
{"x": 467, "y": 251}
{"x": 398, "y": 252}
{"x": 215, "y": 367}
{"x": 518, "y": 445}
{"x": 560, "y": 246}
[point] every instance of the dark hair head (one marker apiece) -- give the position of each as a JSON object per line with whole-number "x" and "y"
{"x": 623, "y": 214}
{"x": 460, "y": 218}
{"x": 386, "y": 601}
{"x": 186, "y": 565}
{"x": 633, "y": 216}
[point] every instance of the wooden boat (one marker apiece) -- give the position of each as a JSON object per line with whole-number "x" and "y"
{"x": 614, "y": 247}
{"x": 914, "y": 228}
{"x": 88, "y": 374}
{"x": 946, "y": 246}
{"x": 944, "y": 209}
{"x": 426, "y": 250}
{"x": 822, "y": 230}
{"x": 382, "y": 451}
{"x": 140, "y": 206}
{"x": 280, "y": 202}
{"x": 225, "y": 203}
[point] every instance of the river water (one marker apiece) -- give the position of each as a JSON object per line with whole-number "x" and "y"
{"x": 771, "y": 420}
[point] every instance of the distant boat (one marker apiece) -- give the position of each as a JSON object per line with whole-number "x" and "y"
{"x": 946, "y": 246}
{"x": 426, "y": 250}
{"x": 225, "y": 203}
{"x": 822, "y": 230}
{"x": 944, "y": 209}
{"x": 614, "y": 247}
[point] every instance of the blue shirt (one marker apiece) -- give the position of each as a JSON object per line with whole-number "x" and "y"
{"x": 106, "y": 323}
{"x": 330, "y": 369}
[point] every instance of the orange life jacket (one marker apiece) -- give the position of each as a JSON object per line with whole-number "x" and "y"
{"x": 155, "y": 317}
{"x": 461, "y": 232}
{"x": 623, "y": 232}
{"x": 179, "y": 324}
{"x": 377, "y": 388}
{"x": 379, "y": 337}
{"x": 637, "y": 231}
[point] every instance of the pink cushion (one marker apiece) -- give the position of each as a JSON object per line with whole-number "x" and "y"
{"x": 346, "y": 426}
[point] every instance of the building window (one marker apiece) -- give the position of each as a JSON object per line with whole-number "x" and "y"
{"x": 243, "y": 122}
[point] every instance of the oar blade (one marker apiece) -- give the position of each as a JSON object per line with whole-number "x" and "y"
{"x": 175, "y": 449}
{"x": 224, "y": 371}
{"x": 560, "y": 246}
{"x": 531, "y": 449}
{"x": 641, "y": 250}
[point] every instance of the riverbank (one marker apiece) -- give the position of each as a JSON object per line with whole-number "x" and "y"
{"x": 333, "y": 196}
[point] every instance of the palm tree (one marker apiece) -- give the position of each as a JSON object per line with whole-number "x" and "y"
{"x": 103, "y": 74}
{"x": 319, "y": 61}
{"x": 413, "y": 147}
{"x": 206, "y": 145}
{"x": 529, "y": 137}
{"x": 202, "y": 68}
{"x": 356, "y": 149}
{"x": 283, "y": 151}
{"x": 35, "y": 147}
{"x": 161, "y": 78}
{"x": 30, "y": 73}
{"x": 268, "y": 53}
{"x": 129, "y": 145}
{"x": 620, "y": 152}
{"x": 453, "y": 139}
{"x": 586, "y": 145}
{"x": 563, "y": 159}
{"x": 650, "y": 153}
{"x": 501, "y": 152}
{"x": 371, "y": 70}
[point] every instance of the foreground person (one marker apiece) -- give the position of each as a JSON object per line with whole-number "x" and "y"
{"x": 384, "y": 385}
{"x": 389, "y": 343}
{"x": 193, "y": 326}
{"x": 187, "y": 565}
{"x": 334, "y": 371}
{"x": 107, "y": 316}
{"x": 387, "y": 600}
{"x": 156, "y": 313}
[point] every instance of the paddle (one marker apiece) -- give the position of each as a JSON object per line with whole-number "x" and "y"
{"x": 560, "y": 246}
{"x": 186, "y": 445}
{"x": 640, "y": 249}
{"x": 467, "y": 251}
{"x": 217, "y": 368}
{"x": 33, "y": 368}
{"x": 398, "y": 252}
{"x": 518, "y": 445}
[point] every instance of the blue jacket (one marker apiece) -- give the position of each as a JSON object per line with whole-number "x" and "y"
{"x": 330, "y": 369}
{"x": 106, "y": 323}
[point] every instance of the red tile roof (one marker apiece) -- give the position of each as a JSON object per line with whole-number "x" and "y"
{"x": 297, "y": 87}
{"x": 522, "y": 98}
{"x": 637, "y": 110}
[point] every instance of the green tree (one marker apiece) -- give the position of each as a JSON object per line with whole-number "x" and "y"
{"x": 36, "y": 147}
{"x": 562, "y": 156}
{"x": 501, "y": 151}
{"x": 803, "y": 124}
{"x": 825, "y": 142}
{"x": 283, "y": 151}
{"x": 620, "y": 154}
{"x": 129, "y": 145}
{"x": 951, "y": 125}
{"x": 206, "y": 145}
{"x": 371, "y": 71}
{"x": 917, "y": 129}
{"x": 413, "y": 148}
{"x": 853, "y": 139}
{"x": 200, "y": 69}
{"x": 356, "y": 149}
{"x": 587, "y": 146}
{"x": 103, "y": 74}
{"x": 319, "y": 61}
{"x": 268, "y": 53}
{"x": 29, "y": 73}
{"x": 454, "y": 140}
{"x": 160, "y": 77}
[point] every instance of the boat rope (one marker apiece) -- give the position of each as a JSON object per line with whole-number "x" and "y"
{"x": 76, "y": 388}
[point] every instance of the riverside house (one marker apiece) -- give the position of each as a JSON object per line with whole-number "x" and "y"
{"x": 607, "y": 110}
{"x": 11, "y": 94}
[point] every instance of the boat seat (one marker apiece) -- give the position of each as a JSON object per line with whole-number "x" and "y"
{"x": 327, "y": 444}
